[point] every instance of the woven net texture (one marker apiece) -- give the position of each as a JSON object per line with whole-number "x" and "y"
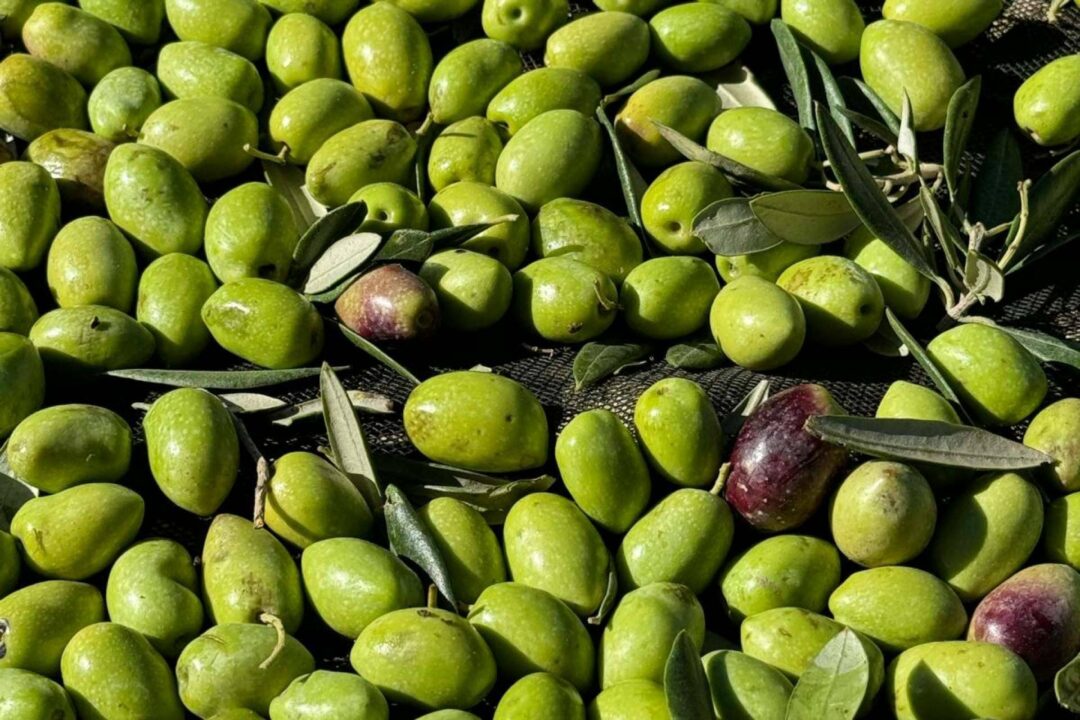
{"x": 1045, "y": 296}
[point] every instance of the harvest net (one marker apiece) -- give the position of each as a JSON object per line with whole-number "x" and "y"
{"x": 1044, "y": 297}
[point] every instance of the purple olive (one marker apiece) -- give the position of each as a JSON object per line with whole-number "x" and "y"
{"x": 389, "y": 304}
{"x": 780, "y": 473}
{"x": 1036, "y": 614}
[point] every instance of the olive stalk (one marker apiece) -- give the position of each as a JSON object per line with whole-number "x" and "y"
{"x": 1014, "y": 246}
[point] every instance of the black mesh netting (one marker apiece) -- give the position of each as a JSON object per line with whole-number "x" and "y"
{"x": 1045, "y": 296}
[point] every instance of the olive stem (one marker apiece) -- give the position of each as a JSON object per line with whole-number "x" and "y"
{"x": 432, "y": 596}
{"x": 425, "y": 127}
{"x": 605, "y": 304}
{"x": 1021, "y": 229}
{"x": 278, "y": 159}
{"x": 275, "y": 622}
{"x": 721, "y": 479}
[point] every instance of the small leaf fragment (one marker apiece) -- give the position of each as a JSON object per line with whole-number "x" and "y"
{"x": 737, "y": 87}
{"x": 596, "y": 361}
{"x": 703, "y": 354}
{"x": 1067, "y": 686}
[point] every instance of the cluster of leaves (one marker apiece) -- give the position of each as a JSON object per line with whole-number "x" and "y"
{"x": 964, "y": 233}
{"x": 833, "y": 687}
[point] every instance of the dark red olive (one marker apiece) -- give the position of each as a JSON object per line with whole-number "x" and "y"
{"x": 780, "y": 473}
{"x": 389, "y": 304}
{"x": 1036, "y": 614}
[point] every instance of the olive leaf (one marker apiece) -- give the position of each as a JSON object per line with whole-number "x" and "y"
{"x": 1067, "y": 686}
{"x": 251, "y": 403}
{"x": 926, "y": 441}
{"x": 362, "y": 401}
{"x": 410, "y": 538}
{"x": 806, "y": 217}
{"x": 409, "y": 245}
{"x": 1042, "y": 251}
{"x": 611, "y": 594}
{"x": 346, "y": 437}
{"x": 491, "y": 496}
{"x": 289, "y": 181}
{"x": 835, "y": 683}
{"x": 1045, "y": 347}
{"x": 376, "y": 353}
{"x": 406, "y": 245}
{"x": 834, "y": 97}
{"x": 215, "y": 379}
{"x": 943, "y": 228}
{"x": 630, "y": 180}
{"x": 994, "y": 199}
{"x": 983, "y": 276}
{"x": 695, "y": 354}
{"x": 731, "y": 227}
{"x": 791, "y": 58}
{"x": 343, "y": 258}
{"x": 959, "y": 120}
{"x": 340, "y": 260}
{"x": 926, "y": 362}
{"x": 733, "y": 169}
{"x": 596, "y": 361}
{"x": 685, "y": 684}
{"x": 331, "y": 227}
{"x": 1050, "y": 198}
{"x": 869, "y": 203}
{"x": 870, "y": 126}
{"x": 737, "y": 87}
{"x": 733, "y": 421}
{"x": 630, "y": 89}
{"x": 859, "y": 88}
{"x": 906, "y": 142}
{"x": 14, "y": 493}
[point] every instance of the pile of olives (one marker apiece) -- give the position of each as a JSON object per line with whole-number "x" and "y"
{"x": 446, "y": 191}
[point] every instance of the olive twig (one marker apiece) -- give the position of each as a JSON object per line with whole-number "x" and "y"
{"x": 1021, "y": 230}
